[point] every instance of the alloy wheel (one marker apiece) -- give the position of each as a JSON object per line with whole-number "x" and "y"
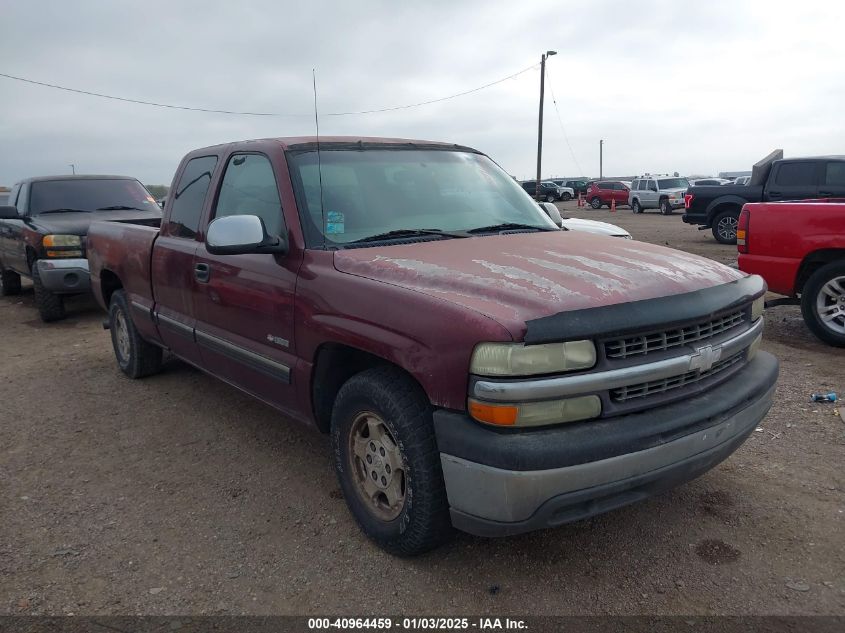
{"x": 830, "y": 305}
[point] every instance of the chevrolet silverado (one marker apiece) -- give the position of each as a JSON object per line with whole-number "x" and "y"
{"x": 475, "y": 367}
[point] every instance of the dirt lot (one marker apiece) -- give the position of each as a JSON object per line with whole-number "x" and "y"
{"x": 178, "y": 494}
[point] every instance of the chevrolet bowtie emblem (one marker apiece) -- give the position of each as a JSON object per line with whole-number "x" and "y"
{"x": 705, "y": 357}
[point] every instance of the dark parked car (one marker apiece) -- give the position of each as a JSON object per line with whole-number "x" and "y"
{"x": 578, "y": 186}
{"x": 43, "y": 229}
{"x": 475, "y": 366}
{"x": 549, "y": 191}
{"x": 773, "y": 179}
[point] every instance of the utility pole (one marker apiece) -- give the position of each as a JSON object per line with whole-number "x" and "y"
{"x": 601, "y": 158}
{"x": 72, "y": 168}
{"x": 540, "y": 123}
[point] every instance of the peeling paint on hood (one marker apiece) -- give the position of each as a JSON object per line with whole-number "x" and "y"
{"x": 518, "y": 277}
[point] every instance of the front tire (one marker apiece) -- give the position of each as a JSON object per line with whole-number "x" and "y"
{"x": 595, "y": 203}
{"x": 387, "y": 461}
{"x": 10, "y": 283}
{"x": 724, "y": 226}
{"x": 135, "y": 356}
{"x": 550, "y": 197}
{"x": 566, "y": 197}
{"x": 51, "y": 307}
{"x": 823, "y": 303}
{"x": 666, "y": 208}
{"x": 635, "y": 207}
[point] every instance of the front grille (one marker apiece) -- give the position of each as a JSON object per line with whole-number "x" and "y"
{"x": 644, "y": 389}
{"x": 661, "y": 340}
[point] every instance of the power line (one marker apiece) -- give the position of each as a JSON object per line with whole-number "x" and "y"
{"x": 263, "y": 114}
{"x": 562, "y": 128}
{"x": 422, "y": 103}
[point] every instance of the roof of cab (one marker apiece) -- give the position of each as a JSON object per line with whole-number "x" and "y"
{"x": 336, "y": 142}
{"x": 74, "y": 177}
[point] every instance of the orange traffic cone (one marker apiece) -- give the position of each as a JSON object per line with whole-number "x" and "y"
{"x": 580, "y": 200}
{"x": 613, "y": 205}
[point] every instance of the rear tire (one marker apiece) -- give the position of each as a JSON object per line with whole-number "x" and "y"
{"x": 51, "y": 307}
{"x": 724, "y": 226}
{"x": 595, "y": 203}
{"x": 10, "y": 283}
{"x": 823, "y": 303}
{"x": 665, "y": 207}
{"x": 395, "y": 490}
{"x": 135, "y": 356}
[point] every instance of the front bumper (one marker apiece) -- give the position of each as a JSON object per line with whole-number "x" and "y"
{"x": 505, "y": 482}
{"x": 64, "y": 276}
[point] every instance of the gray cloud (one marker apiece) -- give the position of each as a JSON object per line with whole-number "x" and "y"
{"x": 692, "y": 87}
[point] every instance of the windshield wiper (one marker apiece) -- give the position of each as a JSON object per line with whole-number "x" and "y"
{"x": 400, "y": 233}
{"x": 63, "y": 210}
{"x": 119, "y": 207}
{"x": 509, "y": 226}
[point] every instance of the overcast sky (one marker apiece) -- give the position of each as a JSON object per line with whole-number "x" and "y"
{"x": 694, "y": 87}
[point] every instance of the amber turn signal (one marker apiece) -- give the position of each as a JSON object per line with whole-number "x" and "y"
{"x": 500, "y": 415}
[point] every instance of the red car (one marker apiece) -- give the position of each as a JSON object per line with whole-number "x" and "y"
{"x": 605, "y": 191}
{"x": 799, "y": 249}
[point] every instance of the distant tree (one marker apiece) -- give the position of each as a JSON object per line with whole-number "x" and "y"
{"x": 158, "y": 191}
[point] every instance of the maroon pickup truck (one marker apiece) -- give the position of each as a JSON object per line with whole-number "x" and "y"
{"x": 476, "y": 367}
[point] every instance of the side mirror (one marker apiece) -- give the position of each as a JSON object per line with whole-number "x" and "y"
{"x": 552, "y": 212}
{"x": 9, "y": 213}
{"x": 240, "y": 235}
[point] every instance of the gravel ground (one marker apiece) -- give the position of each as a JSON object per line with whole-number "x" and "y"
{"x": 179, "y": 495}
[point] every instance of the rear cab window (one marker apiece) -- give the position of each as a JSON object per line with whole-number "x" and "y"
{"x": 799, "y": 173}
{"x": 189, "y": 197}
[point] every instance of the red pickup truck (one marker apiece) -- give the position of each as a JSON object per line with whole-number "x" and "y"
{"x": 475, "y": 366}
{"x": 799, "y": 249}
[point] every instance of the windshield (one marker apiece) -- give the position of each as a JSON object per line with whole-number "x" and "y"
{"x": 89, "y": 194}
{"x": 673, "y": 183}
{"x": 372, "y": 192}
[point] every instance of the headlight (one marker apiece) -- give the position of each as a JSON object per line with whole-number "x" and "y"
{"x": 757, "y": 308}
{"x": 536, "y": 413}
{"x": 51, "y": 241}
{"x": 518, "y": 359}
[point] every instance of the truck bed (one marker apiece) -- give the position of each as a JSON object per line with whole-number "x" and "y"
{"x": 124, "y": 249}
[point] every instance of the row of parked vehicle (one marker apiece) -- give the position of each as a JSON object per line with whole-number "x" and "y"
{"x": 476, "y": 367}
{"x": 713, "y": 203}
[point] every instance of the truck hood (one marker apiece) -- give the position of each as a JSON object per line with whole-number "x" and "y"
{"x": 78, "y": 223}
{"x": 519, "y": 277}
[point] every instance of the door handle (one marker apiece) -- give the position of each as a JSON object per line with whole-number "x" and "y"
{"x": 827, "y": 194}
{"x": 202, "y": 272}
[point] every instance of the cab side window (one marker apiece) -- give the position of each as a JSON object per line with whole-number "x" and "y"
{"x": 189, "y": 197}
{"x": 835, "y": 174}
{"x": 796, "y": 174}
{"x": 249, "y": 188}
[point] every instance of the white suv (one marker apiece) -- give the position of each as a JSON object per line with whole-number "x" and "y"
{"x": 657, "y": 192}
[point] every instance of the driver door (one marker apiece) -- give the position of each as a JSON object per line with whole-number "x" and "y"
{"x": 244, "y": 303}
